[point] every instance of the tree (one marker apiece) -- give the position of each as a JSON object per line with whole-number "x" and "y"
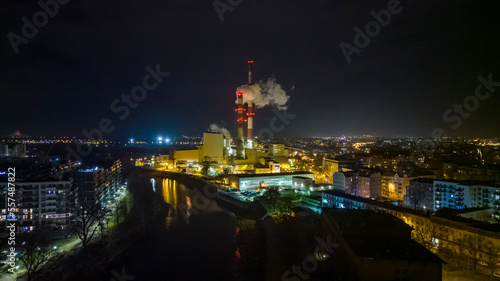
{"x": 120, "y": 208}
{"x": 427, "y": 234}
{"x": 88, "y": 215}
{"x": 473, "y": 245}
{"x": 418, "y": 195}
{"x": 271, "y": 193}
{"x": 492, "y": 256}
{"x": 35, "y": 251}
{"x": 277, "y": 204}
{"x": 103, "y": 220}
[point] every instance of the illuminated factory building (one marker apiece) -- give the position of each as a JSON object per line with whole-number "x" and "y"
{"x": 222, "y": 154}
{"x": 297, "y": 180}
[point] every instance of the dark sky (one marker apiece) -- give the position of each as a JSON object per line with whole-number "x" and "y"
{"x": 425, "y": 60}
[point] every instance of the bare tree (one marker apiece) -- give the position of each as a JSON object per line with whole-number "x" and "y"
{"x": 418, "y": 196}
{"x": 473, "y": 245}
{"x": 88, "y": 214}
{"x": 492, "y": 256}
{"x": 35, "y": 251}
{"x": 103, "y": 220}
{"x": 427, "y": 234}
{"x": 120, "y": 209}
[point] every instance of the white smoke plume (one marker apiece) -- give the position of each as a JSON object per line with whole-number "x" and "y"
{"x": 214, "y": 128}
{"x": 265, "y": 93}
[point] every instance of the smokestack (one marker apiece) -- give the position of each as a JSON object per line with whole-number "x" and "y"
{"x": 250, "y": 115}
{"x": 250, "y": 66}
{"x": 240, "y": 121}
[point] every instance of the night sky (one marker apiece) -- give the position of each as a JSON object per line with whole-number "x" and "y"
{"x": 425, "y": 60}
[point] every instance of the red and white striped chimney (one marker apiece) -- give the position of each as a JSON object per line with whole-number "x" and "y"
{"x": 250, "y": 112}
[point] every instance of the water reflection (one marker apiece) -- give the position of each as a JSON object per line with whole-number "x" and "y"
{"x": 203, "y": 249}
{"x": 185, "y": 202}
{"x": 170, "y": 195}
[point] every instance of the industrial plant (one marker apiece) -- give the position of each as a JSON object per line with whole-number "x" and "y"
{"x": 220, "y": 154}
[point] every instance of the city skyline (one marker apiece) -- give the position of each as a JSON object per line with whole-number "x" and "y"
{"x": 249, "y": 140}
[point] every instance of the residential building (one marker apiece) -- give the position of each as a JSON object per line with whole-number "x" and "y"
{"x": 465, "y": 194}
{"x": 377, "y": 246}
{"x": 99, "y": 182}
{"x": 41, "y": 203}
{"x": 363, "y": 183}
{"x": 419, "y": 194}
{"x": 393, "y": 185}
{"x": 467, "y": 241}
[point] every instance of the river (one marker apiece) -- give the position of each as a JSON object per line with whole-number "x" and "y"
{"x": 193, "y": 244}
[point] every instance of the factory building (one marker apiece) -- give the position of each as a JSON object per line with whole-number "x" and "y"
{"x": 212, "y": 149}
{"x": 221, "y": 154}
{"x": 256, "y": 181}
{"x": 303, "y": 183}
{"x": 276, "y": 150}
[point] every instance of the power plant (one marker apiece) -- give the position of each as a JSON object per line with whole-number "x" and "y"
{"x": 244, "y": 118}
{"x": 222, "y": 154}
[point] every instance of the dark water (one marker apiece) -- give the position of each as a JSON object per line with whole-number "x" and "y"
{"x": 193, "y": 244}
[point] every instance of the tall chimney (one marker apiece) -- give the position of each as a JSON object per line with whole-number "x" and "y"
{"x": 250, "y": 115}
{"x": 240, "y": 121}
{"x": 250, "y": 66}
{"x": 250, "y": 112}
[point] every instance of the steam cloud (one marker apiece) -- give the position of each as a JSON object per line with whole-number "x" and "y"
{"x": 214, "y": 128}
{"x": 265, "y": 93}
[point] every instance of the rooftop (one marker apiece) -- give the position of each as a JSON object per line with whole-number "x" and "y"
{"x": 379, "y": 235}
{"x": 270, "y": 174}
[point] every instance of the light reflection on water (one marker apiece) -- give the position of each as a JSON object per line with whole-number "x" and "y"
{"x": 202, "y": 249}
{"x": 182, "y": 199}
{"x": 170, "y": 195}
